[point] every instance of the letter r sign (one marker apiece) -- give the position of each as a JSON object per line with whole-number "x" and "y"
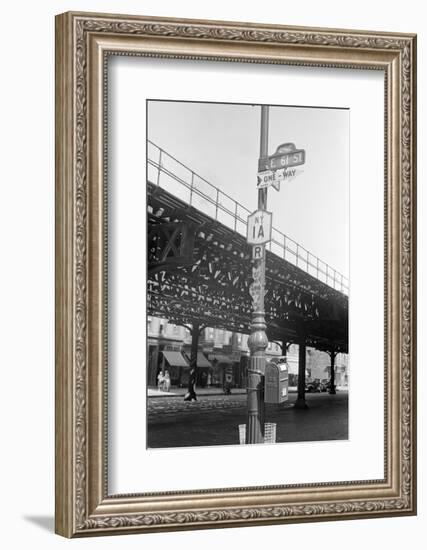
{"x": 258, "y": 252}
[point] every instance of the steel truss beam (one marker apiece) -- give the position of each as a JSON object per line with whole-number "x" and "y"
{"x": 212, "y": 285}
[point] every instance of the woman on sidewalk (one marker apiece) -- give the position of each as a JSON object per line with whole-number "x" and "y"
{"x": 160, "y": 381}
{"x": 167, "y": 381}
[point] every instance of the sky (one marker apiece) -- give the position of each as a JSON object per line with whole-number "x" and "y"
{"x": 221, "y": 142}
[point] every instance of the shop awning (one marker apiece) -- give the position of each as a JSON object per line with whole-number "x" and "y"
{"x": 202, "y": 361}
{"x": 175, "y": 359}
{"x": 221, "y": 359}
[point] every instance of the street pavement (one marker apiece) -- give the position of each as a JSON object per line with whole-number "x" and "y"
{"x": 214, "y": 419}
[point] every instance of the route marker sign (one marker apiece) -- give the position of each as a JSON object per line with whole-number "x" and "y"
{"x": 259, "y": 227}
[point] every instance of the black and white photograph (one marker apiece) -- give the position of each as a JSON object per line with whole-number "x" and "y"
{"x": 247, "y": 274}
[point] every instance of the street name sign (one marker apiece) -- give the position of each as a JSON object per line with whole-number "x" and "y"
{"x": 259, "y": 227}
{"x": 286, "y": 156}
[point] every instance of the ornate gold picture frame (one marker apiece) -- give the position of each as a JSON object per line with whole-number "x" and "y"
{"x": 84, "y": 505}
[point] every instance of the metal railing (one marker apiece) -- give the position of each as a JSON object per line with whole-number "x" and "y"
{"x": 166, "y": 171}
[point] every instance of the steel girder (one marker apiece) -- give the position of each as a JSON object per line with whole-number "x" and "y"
{"x": 211, "y": 285}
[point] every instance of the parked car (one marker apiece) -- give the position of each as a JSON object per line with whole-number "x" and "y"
{"x": 325, "y": 384}
{"x": 312, "y": 386}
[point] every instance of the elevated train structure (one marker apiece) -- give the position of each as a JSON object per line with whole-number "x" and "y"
{"x": 199, "y": 267}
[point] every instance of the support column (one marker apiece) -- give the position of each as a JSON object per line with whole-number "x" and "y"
{"x": 300, "y": 403}
{"x": 332, "y": 390}
{"x": 284, "y": 347}
{"x": 195, "y": 330}
{"x": 163, "y": 364}
{"x": 152, "y": 366}
{"x": 195, "y": 333}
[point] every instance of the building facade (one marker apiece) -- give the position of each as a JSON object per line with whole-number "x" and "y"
{"x": 223, "y": 357}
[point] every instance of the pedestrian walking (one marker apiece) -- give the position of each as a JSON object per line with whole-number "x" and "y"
{"x": 191, "y": 393}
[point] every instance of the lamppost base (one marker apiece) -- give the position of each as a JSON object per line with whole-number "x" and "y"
{"x": 300, "y": 403}
{"x": 332, "y": 391}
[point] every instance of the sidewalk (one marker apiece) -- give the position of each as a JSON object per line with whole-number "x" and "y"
{"x": 180, "y": 392}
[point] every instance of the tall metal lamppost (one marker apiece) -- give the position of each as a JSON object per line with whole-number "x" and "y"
{"x": 258, "y": 341}
{"x": 271, "y": 171}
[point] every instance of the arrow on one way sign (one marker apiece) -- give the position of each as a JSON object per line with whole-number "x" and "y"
{"x": 265, "y": 179}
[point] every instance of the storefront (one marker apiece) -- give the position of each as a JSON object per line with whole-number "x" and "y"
{"x": 222, "y": 370}
{"x": 177, "y": 365}
{"x": 203, "y": 371}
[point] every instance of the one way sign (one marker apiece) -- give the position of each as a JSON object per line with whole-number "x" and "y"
{"x": 273, "y": 178}
{"x": 265, "y": 179}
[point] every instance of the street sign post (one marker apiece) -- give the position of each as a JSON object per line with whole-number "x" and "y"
{"x": 259, "y": 227}
{"x": 258, "y": 233}
{"x": 271, "y": 171}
